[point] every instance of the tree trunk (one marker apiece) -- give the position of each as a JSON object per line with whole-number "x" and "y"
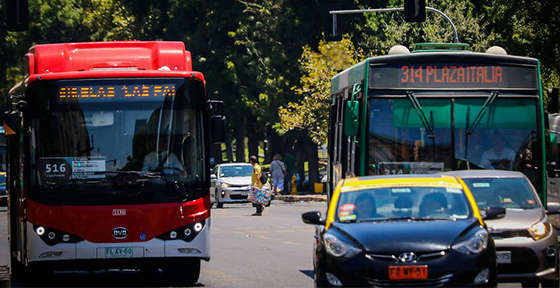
{"x": 253, "y": 137}
{"x": 240, "y": 138}
{"x": 275, "y": 145}
{"x": 229, "y": 152}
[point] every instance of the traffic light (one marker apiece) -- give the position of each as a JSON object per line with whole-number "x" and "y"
{"x": 328, "y": 23}
{"x": 17, "y": 15}
{"x": 414, "y": 10}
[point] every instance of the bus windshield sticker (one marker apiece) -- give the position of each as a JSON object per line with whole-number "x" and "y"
{"x": 452, "y": 75}
{"x": 88, "y": 168}
{"x": 59, "y": 169}
{"x": 398, "y": 168}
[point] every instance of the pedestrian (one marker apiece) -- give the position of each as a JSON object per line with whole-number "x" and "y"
{"x": 256, "y": 182}
{"x": 278, "y": 173}
{"x": 290, "y": 166}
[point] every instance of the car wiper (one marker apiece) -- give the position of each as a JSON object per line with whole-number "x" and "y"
{"x": 404, "y": 218}
{"x": 470, "y": 129}
{"x": 429, "y": 128}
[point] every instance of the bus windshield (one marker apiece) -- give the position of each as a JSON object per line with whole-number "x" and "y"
{"x": 504, "y": 137}
{"x": 106, "y": 142}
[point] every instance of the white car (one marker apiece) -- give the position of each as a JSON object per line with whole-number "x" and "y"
{"x": 231, "y": 183}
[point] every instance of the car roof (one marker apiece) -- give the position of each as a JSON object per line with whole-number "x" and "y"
{"x": 484, "y": 174}
{"x": 360, "y": 183}
{"x": 234, "y": 164}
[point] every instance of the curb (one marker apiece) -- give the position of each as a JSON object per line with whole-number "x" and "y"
{"x": 301, "y": 198}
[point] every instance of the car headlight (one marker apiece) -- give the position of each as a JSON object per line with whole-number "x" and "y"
{"x": 337, "y": 248}
{"x": 476, "y": 244}
{"x": 539, "y": 230}
{"x": 225, "y": 185}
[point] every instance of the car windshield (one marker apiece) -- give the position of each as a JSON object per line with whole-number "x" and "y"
{"x": 503, "y": 192}
{"x": 236, "y": 171}
{"x": 403, "y": 203}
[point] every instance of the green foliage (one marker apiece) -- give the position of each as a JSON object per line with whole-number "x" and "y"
{"x": 311, "y": 110}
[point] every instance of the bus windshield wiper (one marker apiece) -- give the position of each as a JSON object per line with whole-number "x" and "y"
{"x": 420, "y": 111}
{"x": 469, "y": 129}
{"x": 429, "y": 128}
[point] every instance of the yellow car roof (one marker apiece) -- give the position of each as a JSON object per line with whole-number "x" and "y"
{"x": 372, "y": 182}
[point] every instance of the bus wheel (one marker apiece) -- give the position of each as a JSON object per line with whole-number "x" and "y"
{"x": 187, "y": 273}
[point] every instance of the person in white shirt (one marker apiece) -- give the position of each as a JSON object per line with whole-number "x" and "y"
{"x": 499, "y": 156}
{"x": 162, "y": 161}
{"x": 278, "y": 173}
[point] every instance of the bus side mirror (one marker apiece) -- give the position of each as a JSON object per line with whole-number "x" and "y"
{"x": 17, "y": 15}
{"x": 414, "y": 10}
{"x": 218, "y": 126}
{"x": 351, "y": 116}
{"x": 12, "y": 122}
{"x": 552, "y": 157}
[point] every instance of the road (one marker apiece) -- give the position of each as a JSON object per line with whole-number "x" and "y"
{"x": 274, "y": 250}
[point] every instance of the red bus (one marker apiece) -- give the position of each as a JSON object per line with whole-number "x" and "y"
{"x": 108, "y": 159}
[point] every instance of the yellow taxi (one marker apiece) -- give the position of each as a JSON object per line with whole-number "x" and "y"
{"x": 404, "y": 230}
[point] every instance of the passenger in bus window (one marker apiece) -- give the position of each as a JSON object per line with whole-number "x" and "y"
{"x": 499, "y": 156}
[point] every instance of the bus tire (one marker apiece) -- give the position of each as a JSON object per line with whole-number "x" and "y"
{"x": 187, "y": 273}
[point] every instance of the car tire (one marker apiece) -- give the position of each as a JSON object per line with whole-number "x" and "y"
{"x": 550, "y": 283}
{"x": 530, "y": 284}
{"x": 219, "y": 204}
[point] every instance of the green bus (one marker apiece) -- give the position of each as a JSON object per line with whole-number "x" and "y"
{"x": 438, "y": 108}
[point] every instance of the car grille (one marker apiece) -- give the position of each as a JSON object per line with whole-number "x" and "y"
{"x": 523, "y": 260}
{"x": 393, "y": 257}
{"x": 504, "y": 234}
{"x": 430, "y": 282}
{"x": 237, "y": 197}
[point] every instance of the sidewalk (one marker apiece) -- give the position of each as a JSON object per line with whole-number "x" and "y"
{"x": 302, "y": 198}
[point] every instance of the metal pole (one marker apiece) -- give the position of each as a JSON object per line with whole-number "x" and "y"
{"x": 358, "y": 11}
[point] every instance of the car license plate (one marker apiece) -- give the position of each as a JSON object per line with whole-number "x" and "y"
{"x": 118, "y": 252}
{"x": 408, "y": 272}
{"x": 503, "y": 257}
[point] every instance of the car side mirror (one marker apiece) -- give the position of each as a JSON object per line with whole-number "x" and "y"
{"x": 313, "y": 218}
{"x": 212, "y": 176}
{"x": 494, "y": 212}
{"x": 552, "y": 208}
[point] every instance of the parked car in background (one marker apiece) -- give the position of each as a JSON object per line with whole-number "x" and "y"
{"x": 526, "y": 242}
{"x": 231, "y": 183}
{"x": 403, "y": 231}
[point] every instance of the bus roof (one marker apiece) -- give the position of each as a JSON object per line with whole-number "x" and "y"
{"x": 140, "y": 57}
{"x": 358, "y": 72}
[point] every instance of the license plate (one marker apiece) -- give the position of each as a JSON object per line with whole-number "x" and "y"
{"x": 408, "y": 272}
{"x": 503, "y": 257}
{"x": 118, "y": 252}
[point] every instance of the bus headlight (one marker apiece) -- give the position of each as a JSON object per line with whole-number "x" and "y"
{"x": 53, "y": 236}
{"x": 539, "y": 230}
{"x": 185, "y": 233}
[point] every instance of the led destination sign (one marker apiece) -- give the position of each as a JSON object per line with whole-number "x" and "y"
{"x": 107, "y": 92}
{"x": 452, "y": 76}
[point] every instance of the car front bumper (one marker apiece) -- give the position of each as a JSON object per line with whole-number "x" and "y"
{"x": 529, "y": 259}
{"x": 233, "y": 194}
{"x": 450, "y": 269}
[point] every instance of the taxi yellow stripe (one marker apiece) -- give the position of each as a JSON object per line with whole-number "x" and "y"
{"x": 472, "y": 201}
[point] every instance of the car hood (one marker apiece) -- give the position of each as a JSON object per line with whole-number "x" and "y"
{"x": 516, "y": 219}
{"x": 245, "y": 180}
{"x": 399, "y": 236}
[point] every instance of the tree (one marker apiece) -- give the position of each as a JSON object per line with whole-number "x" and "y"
{"x": 310, "y": 113}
